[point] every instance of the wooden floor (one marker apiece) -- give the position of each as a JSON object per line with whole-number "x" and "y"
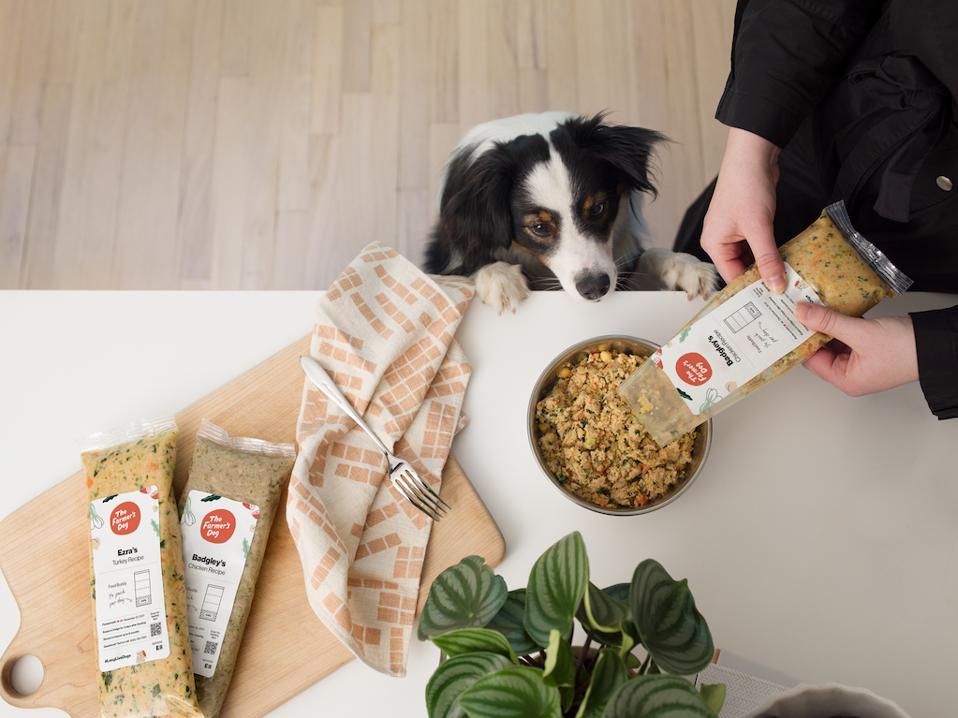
{"x": 259, "y": 144}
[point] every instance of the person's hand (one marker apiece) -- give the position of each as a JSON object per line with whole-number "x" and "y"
{"x": 869, "y": 355}
{"x": 738, "y": 225}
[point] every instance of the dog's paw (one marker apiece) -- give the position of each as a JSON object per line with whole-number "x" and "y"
{"x": 501, "y": 285}
{"x": 689, "y": 274}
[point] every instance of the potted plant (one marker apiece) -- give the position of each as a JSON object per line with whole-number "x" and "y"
{"x": 509, "y": 654}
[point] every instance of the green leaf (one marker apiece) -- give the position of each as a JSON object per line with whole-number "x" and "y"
{"x": 556, "y": 586}
{"x": 608, "y": 674}
{"x": 455, "y": 676}
{"x": 211, "y": 497}
{"x": 606, "y": 619}
{"x": 657, "y": 697}
{"x": 466, "y": 595}
{"x": 509, "y": 623}
{"x": 513, "y": 692}
{"x": 474, "y": 640}
{"x": 603, "y": 612}
{"x": 618, "y": 591}
{"x": 714, "y": 696}
{"x": 559, "y": 668}
{"x": 671, "y": 628}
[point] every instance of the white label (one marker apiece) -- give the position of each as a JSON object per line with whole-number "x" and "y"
{"x": 217, "y": 534}
{"x": 735, "y": 342}
{"x": 130, "y": 608}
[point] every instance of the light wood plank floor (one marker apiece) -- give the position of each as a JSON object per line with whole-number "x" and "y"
{"x": 252, "y": 144}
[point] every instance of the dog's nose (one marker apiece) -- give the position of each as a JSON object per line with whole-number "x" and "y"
{"x": 593, "y": 286}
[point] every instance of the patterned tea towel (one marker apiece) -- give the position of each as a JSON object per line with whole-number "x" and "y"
{"x": 385, "y": 334}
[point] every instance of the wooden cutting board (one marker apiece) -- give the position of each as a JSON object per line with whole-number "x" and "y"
{"x": 285, "y": 650}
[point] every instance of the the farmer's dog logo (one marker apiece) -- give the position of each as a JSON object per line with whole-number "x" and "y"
{"x": 218, "y": 526}
{"x": 125, "y": 518}
{"x": 693, "y": 368}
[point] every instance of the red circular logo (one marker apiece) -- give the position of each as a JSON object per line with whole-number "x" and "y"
{"x": 125, "y": 518}
{"x": 218, "y": 526}
{"x": 693, "y": 368}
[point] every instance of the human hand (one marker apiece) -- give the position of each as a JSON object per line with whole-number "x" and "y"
{"x": 738, "y": 225}
{"x": 873, "y": 354}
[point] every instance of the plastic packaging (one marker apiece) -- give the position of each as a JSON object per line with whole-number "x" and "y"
{"x": 745, "y": 336}
{"x": 137, "y": 585}
{"x": 227, "y": 510}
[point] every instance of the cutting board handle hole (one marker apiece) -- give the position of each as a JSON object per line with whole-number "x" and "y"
{"x": 22, "y": 676}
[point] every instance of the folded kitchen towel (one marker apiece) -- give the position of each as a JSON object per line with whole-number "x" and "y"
{"x": 385, "y": 334}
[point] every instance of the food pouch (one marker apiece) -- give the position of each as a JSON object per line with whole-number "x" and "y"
{"x": 746, "y": 336}
{"x": 139, "y": 598}
{"x": 227, "y": 510}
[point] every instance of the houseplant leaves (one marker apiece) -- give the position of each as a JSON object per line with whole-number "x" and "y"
{"x": 513, "y": 692}
{"x": 474, "y": 640}
{"x": 657, "y": 697}
{"x": 714, "y": 696}
{"x": 559, "y": 668}
{"x": 509, "y": 623}
{"x": 557, "y": 583}
{"x": 606, "y": 619}
{"x": 455, "y": 676}
{"x": 466, "y": 595}
{"x": 669, "y": 625}
{"x": 608, "y": 674}
{"x": 619, "y": 591}
{"x": 470, "y": 616}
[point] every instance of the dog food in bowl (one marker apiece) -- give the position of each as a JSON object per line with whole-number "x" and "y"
{"x": 590, "y": 441}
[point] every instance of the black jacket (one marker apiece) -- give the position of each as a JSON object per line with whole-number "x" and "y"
{"x": 863, "y": 97}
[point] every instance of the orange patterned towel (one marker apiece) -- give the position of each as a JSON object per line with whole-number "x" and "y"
{"x": 385, "y": 334}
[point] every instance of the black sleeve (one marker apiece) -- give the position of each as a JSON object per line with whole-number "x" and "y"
{"x": 936, "y": 338}
{"x": 786, "y": 56}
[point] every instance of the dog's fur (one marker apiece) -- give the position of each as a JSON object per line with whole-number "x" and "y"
{"x": 555, "y": 200}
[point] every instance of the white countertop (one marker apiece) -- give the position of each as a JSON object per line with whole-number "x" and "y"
{"x": 820, "y": 541}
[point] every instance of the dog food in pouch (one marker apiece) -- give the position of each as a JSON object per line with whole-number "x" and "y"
{"x": 139, "y": 597}
{"x": 746, "y": 336}
{"x": 227, "y": 510}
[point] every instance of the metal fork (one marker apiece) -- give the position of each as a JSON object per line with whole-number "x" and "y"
{"x": 401, "y": 474}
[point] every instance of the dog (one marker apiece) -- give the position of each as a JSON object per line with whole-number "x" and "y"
{"x": 554, "y": 200}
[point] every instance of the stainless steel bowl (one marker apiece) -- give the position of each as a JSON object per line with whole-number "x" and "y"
{"x": 628, "y": 345}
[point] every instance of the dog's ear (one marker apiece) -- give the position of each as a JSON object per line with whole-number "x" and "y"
{"x": 628, "y": 149}
{"x": 476, "y": 200}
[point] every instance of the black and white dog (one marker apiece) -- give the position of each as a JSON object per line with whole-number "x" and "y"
{"x": 553, "y": 200}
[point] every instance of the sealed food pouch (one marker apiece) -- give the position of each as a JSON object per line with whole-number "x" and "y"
{"x": 139, "y": 596}
{"x": 746, "y": 336}
{"x": 227, "y": 510}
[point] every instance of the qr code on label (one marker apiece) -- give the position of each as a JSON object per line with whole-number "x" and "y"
{"x": 154, "y": 630}
{"x": 210, "y": 648}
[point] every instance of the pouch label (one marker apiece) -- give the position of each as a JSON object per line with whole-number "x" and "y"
{"x": 128, "y": 579}
{"x": 735, "y": 342}
{"x": 217, "y": 535}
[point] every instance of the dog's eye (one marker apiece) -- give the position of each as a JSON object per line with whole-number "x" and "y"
{"x": 541, "y": 229}
{"x": 597, "y": 210}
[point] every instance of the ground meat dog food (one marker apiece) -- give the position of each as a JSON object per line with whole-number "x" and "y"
{"x": 139, "y": 595}
{"x": 746, "y": 336}
{"x": 592, "y": 443}
{"x": 228, "y": 506}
